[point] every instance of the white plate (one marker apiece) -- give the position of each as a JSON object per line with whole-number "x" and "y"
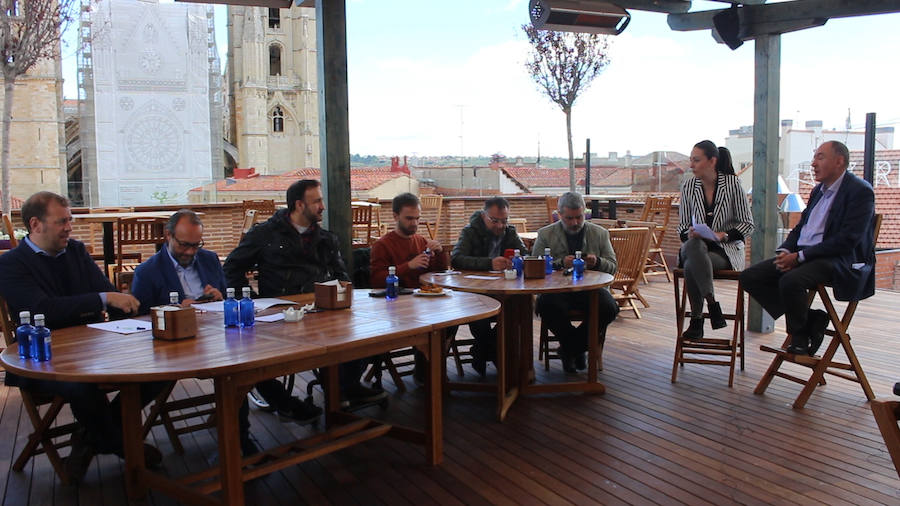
{"x": 429, "y": 294}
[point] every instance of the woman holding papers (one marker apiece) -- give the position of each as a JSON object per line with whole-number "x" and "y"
{"x": 714, "y": 220}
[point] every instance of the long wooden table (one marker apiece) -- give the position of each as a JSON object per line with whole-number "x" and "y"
{"x": 238, "y": 358}
{"x": 515, "y": 353}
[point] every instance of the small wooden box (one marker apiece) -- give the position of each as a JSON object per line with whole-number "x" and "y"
{"x": 327, "y": 296}
{"x": 534, "y": 268}
{"x": 172, "y": 323}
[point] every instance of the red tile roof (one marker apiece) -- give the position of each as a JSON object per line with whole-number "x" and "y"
{"x": 530, "y": 177}
{"x": 16, "y": 202}
{"x": 361, "y": 179}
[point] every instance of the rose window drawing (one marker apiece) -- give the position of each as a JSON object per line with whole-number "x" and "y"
{"x": 153, "y": 140}
{"x": 150, "y": 61}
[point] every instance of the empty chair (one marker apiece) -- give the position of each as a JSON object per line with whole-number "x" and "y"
{"x": 630, "y": 245}
{"x": 431, "y": 213}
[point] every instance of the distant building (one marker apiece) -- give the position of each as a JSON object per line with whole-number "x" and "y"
{"x": 472, "y": 180}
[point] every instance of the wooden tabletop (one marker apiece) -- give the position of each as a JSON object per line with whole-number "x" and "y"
{"x": 90, "y": 355}
{"x": 110, "y": 217}
{"x": 553, "y": 283}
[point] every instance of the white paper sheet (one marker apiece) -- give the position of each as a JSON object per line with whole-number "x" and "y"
{"x": 128, "y": 326}
{"x": 477, "y": 276}
{"x": 703, "y": 230}
{"x": 445, "y": 273}
{"x": 275, "y": 317}
{"x": 258, "y": 304}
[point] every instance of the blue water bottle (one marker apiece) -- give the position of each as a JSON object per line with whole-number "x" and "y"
{"x": 23, "y": 334}
{"x": 577, "y": 266}
{"x": 548, "y": 262}
{"x": 518, "y": 263}
{"x": 40, "y": 340}
{"x": 232, "y": 315}
{"x": 248, "y": 317}
{"x": 391, "y": 284}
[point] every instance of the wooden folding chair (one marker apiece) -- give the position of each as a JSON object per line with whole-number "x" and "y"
{"x": 731, "y": 349}
{"x": 521, "y": 225}
{"x": 398, "y": 363}
{"x": 887, "y": 414}
{"x": 607, "y": 223}
{"x": 630, "y": 245}
{"x": 10, "y": 231}
{"x": 552, "y": 203}
{"x": 432, "y": 204}
{"x": 249, "y": 221}
{"x": 264, "y": 207}
{"x": 657, "y": 210}
{"x": 547, "y": 352}
{"x": 825, "y": 363}
{"x": 362, "y": 226}
{"x": 135, "y": 232}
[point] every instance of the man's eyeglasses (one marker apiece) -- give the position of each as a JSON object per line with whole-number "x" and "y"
{"x": 188, "y": 245}
{"x": 496, "y": 221}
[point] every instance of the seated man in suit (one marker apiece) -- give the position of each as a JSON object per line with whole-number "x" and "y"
{"x": 52, "y": 274}
{"x": 833, "y": 243}
{"x": 292, "y": 253}
{"x": 480, "y": 247}
{"x": 564, "y": 238}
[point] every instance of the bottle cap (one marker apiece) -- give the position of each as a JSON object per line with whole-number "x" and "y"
{"x": 392, "y": 270}
{"x": 39, "y": 320}
{"x": 516, "y": 252}
{"x": 577, "y": 254}
{"x": 173, "y": 297}
{"x": 245, "y": 291}
{"x": 546, "y": 251}
{"x": 229, "y": 292}
{"x": 24, "y": 315}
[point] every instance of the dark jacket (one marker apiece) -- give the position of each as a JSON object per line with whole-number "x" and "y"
{"x": 66, "y": 290}
{"x": 287, "y": 262}
{"x": 472, "y": 249}
{"x": 155, "y": 278}
{"x": 848, "y": 238}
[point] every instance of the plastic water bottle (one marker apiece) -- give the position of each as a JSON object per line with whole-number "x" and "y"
{"x": 548, "y": 262}
{"x": 518, "y": 263}
{"x": 173, "y": 299}
{"x": 23, "y": 334}
{"x": 391, "y": 284}
{"x": 40, "y": 340}
{"x": 232, "y": 316}
{"x": 577, "y": 266}
{"x": 248, "y": 317}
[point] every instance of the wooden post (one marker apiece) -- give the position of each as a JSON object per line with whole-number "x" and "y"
{"x": 766, "y": 96}
{"x": 334, "y": 130}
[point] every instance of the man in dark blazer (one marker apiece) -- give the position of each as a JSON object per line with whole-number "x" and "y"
{"x": 833, "y": 243}
{"x": 181, "y": 265}
{"x": 51, "y": 274}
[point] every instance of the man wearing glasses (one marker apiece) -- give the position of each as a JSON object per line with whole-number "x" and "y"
{"x": 181, "y": 265}
{"x": 480, "y": 247}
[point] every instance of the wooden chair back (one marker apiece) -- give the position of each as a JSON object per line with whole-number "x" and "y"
{"x": 630, "y": 245}
{"x": 10, "y": 231}
{"x": 552, "y": 203}
{"x": 263, "y": 207}
{"x": 95, "y": 230}
{"x": 657, "y": 210}
{"x": 606, "y": 223}
{"x": 249, "y": 221}
{"x": 136, "y": 232}
{"x": 7, "y": 325}
{"x": 431, "y": 213}
{"x": 362, "y": 225}
{"x": 521, "y": 225}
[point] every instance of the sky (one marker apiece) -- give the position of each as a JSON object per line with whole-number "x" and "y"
{"x": 430, "y": 78}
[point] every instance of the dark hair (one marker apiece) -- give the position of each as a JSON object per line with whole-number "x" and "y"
{"x": 723, "y": 162}
{"x": 840, "y": 149}
{"x": 36, "y": 206}
{"x": 498, "y": 202}
{"x": 404, "y": 200}
{"x": 297, "y": 191}
{"x": 708, "y": 148}
{"x": 182, "y": 213}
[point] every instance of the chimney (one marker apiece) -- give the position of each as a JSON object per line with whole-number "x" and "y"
{"x": 395, "y": 163}
{"x": 613, "y": 156}
{"x": 816, "y": 127}
{"x": 786, "y": 124}
{"x": 628, "y": 158}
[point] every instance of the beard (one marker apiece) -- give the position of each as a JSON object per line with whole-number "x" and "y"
{"x": 407, "y": 231}
{"x": 311, "y": 216}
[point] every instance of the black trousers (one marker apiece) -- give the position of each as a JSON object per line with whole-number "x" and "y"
{"x": 785, "y": 293}
{"x": 554, "y": 310}
{"x": 485, "y": 336}
{"x": 101, "y": 418}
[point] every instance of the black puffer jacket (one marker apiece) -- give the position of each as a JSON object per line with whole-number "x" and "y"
{"x": 288, "y": 262}
{"x": 474, "y": 245}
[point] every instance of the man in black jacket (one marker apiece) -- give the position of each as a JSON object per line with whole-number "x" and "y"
{"x": 292, "y": 252}
{"x": 480, "y": 247}
{"x": 51, "y": 274}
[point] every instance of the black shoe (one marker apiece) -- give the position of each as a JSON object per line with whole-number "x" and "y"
{"x": 248, "y": 445}
{"x": 694, "y": 330}
{"x": 581, "y": 361}
{"x": 360, "y": 394}
{"x": 716, "y": 320}
{"x": 301, "y": 412}
{"x": 79, "y": 459}
{"x": 816, "y": 322}
{"x": 479, "y": 361}
{"x": 799, "y": 345}
{"x": 568, "y": 362}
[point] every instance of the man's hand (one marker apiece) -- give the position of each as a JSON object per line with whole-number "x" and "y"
{"x": 500, "y": 263}
{"x": 434, "y": 246}
{"x": 567, "y": 260}
{"x": 211, "y": 290}
{"x": 420, "y": 261}
{"x": 786, "y": 261}
{"x": 590, "y": 261}
{"x": 122, "y": 301}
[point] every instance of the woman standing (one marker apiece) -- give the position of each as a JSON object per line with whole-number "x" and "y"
{"x": 713, "y": 198}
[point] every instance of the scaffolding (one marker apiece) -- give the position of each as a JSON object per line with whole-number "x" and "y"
{"x": 216, "y": 99}
{"x": 86, "y": 124}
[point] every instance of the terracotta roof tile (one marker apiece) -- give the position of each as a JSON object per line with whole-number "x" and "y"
{"x": 361, "y": 179}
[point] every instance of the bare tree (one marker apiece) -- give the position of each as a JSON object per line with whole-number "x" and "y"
{"x": 29, "y": 32}
{"x": 563, "y": 65}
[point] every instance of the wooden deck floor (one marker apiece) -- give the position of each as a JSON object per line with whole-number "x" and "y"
{"x": 645, "y": 441}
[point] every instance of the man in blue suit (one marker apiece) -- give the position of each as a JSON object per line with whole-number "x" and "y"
{"x": 833, "y": 244}
{"x": 181, "y": 265}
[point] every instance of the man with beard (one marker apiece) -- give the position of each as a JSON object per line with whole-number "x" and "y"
{"x": 410, "y": 253}
{"x": 292, "y": 253}
{"x": 480, "y": 247}
{"x": 564, "y": 238}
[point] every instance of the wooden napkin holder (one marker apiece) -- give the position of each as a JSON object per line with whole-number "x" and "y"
{"x": 327, "y": 296}
{"x": 534, "y": 268}
{"x": 172, "y": 323}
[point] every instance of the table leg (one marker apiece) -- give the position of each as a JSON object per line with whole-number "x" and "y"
{"x": 593, "y": 331}
{"x": 612, "y": 209}
{"x": 109, "y": 251}
{"x": 525, "y": 306}
{"x": 434, "y": 440}
{"x": 230, "y": 462}
{"x": 332, "y": 386}
{"x": 595, "y": 208}
{"x": 508, "y": 329}
{"x": 133, "y": 440}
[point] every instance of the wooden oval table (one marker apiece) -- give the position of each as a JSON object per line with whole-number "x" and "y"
{"x": 515, "y": 353}
{"x": 236, "y": 359}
